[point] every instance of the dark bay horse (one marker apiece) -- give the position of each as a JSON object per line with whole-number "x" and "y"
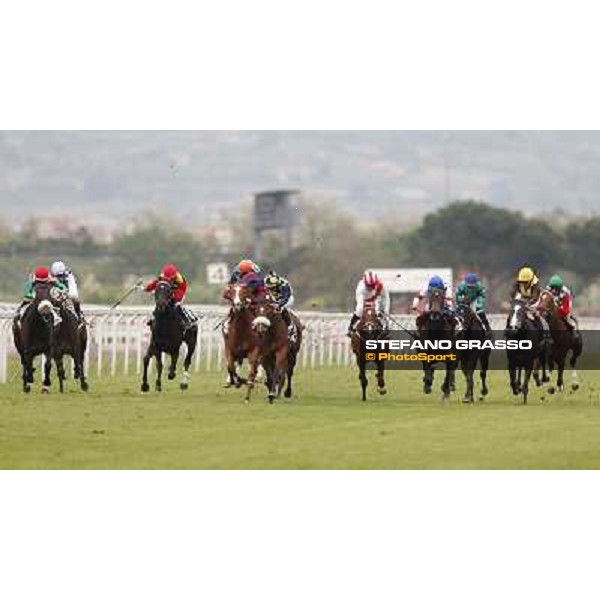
{"x": 34, "y": 333}
{"x": 368, "y": 327}
{"x": 563, "y": 341}
{"x": 167, "y": 336}
{"x": 469, "y": 358}
{"x": 521, "y": 325}
{"x": 70, "y": 340}
{"x": 272, "y": 347}
{"x": 294, "y": 350}
{"x": 435, "y": 326}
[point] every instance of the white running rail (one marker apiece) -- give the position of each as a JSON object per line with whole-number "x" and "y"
{"x": 118, "y": 339}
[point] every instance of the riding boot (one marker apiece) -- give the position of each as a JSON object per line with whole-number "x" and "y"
{"x": 188, "y": 319}
{"x": 287, "y": 319}
{"x": 486, "y": 324}
{"x": 353, "y": 321}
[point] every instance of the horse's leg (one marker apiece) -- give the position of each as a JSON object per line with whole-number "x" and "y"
{"x": 560, "y": 367}
{"x": 27, "y": 371}
{"x": 381, "y": 377}
{"x": 278, "y": 372}
{"x": 190, "y": 342}
{"x": 447, "y": 384}
{"x": 47, "y": 369}
{"x": 149, "y": 354}
{"x": 60, "y": 372}
{"x": 362, "y": 376}
{"x": 172, "y": 373}
{"x": 427, "y": 378}
{"x": 468, "y": 372}
{"x": 484, "y": 362}
{"x": 575, "y": 353}
{"x": 525, "y": 386}
{"x": 253, "y": 358}
{"x": 290, "y": 373}
{"x": 159, "y": 369}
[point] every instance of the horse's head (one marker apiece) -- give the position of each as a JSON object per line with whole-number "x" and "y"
{"x": 262, "y": 311}
{"x": 42, "y": 299}
{"x": 163, "y": 295}
{"x": 436, "y": 303}
{"x": 369, "y": 322}
{"x": 546, "y": 303}
{"x": 517, "y": 316}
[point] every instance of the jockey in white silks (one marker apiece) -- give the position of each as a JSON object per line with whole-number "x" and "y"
{"x": 371, "y": 290}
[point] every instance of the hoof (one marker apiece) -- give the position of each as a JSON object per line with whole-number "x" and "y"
{"x": 382, "y": 391}
{"x": 183, "y": 386}
{"x": 27, "y": 388}
{"x": 551, "y": 390}
{"x": 45, "y": 390}
{"x": 228, "y": 385}
{"x": 271, "y": 399}
{"x": 171, "y": 376}
{"x": 574, "y": 386}
{"x": 158, "y": 387}
{"x": 287, "y": 394}
{"x": 484, "y": 392}
{"x": 427, "y": 390}
{"x": 145, "y": 387}
{"x": 85, "y": 386}
{"x": 481, "y": 398}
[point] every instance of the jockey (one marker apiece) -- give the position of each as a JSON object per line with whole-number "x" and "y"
{"x": 60, "y": 272}
{"x": 283, "y": 294}
{"x": 370, "y": 289}
{"x": 40, "y": 275}
{"x": 471, "y": 291}
{"x": 527, "y": 287}
{"x": 179, "y": 287}
{"x": 563, "y": 297}
{"x": 422, "y": 302}
{"x": 245, "y": 267}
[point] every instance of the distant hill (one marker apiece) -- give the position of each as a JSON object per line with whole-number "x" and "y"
{"x": 105, "y": 177}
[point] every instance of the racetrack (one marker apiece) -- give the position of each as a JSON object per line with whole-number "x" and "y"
{"x": 325, "y": 426}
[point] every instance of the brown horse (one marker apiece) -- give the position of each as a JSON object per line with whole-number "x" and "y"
{"x": 272, "y": 349}
{"x": 238, "y": 334}
{"x": 369, "y": 327}
{"x": 563, "y": 341}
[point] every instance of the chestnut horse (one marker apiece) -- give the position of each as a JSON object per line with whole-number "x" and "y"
{"x": 564, "y": 341}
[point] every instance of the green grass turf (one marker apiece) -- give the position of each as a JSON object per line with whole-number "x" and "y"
{"x": 325, "y": 426}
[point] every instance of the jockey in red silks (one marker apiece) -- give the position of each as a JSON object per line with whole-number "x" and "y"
{"x": 563, "y": 297}
{"x": 179, "y": 286}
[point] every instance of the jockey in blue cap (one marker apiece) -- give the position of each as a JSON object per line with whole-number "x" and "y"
{"x": 472, "y": 292}
{"x": 422, "y": 302}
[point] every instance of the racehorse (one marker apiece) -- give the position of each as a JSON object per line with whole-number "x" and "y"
{"x": 472, "y": 330}
{"x": 34, "y": 334}
{"x": 70, "y": 340}
{"x": 434, "y": 326}
{"x": 294, "y": 350}
{"x": 167, "y": 336}
{"x": 521, "y": 325}
{"x": 238, "y": 333}
{"x": 369, "y": 327}
{"x": 563, "y": 341}
{"x": 272, "y": 347}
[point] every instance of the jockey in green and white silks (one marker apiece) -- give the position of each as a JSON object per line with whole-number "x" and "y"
{"x": 472, "y": 292}
{"x": 62, "y": 274}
